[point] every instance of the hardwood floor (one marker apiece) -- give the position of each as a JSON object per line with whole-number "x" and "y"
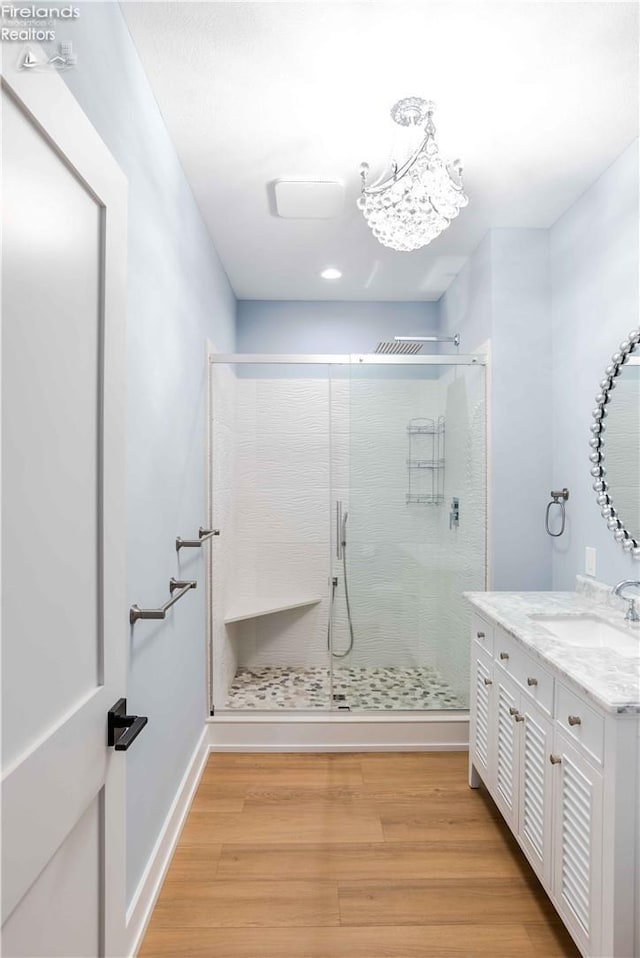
{"x": 376, "y": 855}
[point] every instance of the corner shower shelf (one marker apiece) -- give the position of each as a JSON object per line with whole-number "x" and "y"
{"x": 425, "y": 463}
{"x": 269, "y": 607}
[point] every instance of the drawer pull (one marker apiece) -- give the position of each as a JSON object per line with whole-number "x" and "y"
{"x": 555, "y": 759}
{"x": 504, "y": 656}
{"x": 518, "y": 717}
{"x": 575, "y": 720}
{"x": 513, "y": 710}
{"x": 488, "y": 681}
{"x": 531, "y": 682}
{"x": 480, "y": 635}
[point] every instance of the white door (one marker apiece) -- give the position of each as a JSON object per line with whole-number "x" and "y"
{"x": 64, "y": 616}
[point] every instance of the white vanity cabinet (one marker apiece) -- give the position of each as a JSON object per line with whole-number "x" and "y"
{"x": 510, "y": 746}
{"x": 563, "y": 775}
{"x": 536, "y": 778}
{"x": 480, "y": 712}
{"x": 506, "y": 739}
{"x": 577, "y": 840}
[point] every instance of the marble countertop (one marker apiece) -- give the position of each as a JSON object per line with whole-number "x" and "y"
{"x": 610, "y": 679}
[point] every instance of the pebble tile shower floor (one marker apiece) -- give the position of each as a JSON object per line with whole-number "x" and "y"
{"x": 366, "y": 688}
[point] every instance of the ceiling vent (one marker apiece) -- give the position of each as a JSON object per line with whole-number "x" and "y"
{"x": 309, "y": 199}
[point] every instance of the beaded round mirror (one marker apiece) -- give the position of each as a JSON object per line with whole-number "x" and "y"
{"x": 615, "y": 445}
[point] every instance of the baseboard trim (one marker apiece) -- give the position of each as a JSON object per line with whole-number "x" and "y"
{"x": 402, "y": 731}
{"x": 146, "y": 894}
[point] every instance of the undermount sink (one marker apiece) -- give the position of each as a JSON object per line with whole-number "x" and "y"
{"x": 590, "y": 632}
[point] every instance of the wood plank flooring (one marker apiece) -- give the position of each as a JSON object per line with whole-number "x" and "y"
{"x": 373, "y": 855}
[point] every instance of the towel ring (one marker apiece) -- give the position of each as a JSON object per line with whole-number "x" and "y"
{"x": 557, "y": 499}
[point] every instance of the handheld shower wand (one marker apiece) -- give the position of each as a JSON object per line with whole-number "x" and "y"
{"x": 343, "y": 539}
{"x": 342, "y": 553}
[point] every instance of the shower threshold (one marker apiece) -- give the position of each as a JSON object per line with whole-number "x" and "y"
{"x": 366, "y": 688}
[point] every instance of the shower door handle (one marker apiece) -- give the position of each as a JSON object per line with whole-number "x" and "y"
{"x": 338, "y": 528}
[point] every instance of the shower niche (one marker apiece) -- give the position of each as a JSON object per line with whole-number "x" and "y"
{"x": 309, "y": 612}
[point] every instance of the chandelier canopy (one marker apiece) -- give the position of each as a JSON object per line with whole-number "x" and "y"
{"x": 412, "y": 204}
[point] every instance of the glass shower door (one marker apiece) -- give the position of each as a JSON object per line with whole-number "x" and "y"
{"x": 271, "y": 569}
{"x": 411, "y": 479}
{"x": 340, "y": 639}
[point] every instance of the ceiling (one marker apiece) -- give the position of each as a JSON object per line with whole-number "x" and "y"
{"x": 536, "y": 98}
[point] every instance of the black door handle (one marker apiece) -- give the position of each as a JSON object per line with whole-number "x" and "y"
{"x": 117, "y": 718}
{"x": 125, "y": 740}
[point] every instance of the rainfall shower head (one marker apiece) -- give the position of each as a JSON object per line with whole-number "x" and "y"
{"x": 410, "y": 345}
{"x": 406, "y": 349}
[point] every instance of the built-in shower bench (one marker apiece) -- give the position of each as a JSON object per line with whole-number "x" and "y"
{"x": 253, "y": 610}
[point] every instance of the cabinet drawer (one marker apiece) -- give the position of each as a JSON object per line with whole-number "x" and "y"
{"x": 525, "y": 670}
{"x": 482, "y": 632}
{"x": 580, "y": 722}
{"x": 536, "y": 682}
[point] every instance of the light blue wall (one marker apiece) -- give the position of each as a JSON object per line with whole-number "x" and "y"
{"x": 555, "y": 303}
{"x": 520, "y": 409}
{"x": 466, "y": 307}
{"x": 594, "y": 304}
{"x": 501, "y": 295}
{"x": 328, "y": 327}
{"x": 178, "y": 295}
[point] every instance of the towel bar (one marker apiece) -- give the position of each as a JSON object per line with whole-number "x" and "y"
{"x": 135, "y": 612}
{"x": 203, "y": 536}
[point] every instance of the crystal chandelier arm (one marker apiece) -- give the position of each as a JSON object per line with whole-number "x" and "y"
{"x": 397, "y": 174}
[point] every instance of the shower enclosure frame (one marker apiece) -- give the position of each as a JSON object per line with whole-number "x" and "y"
{"x": 347, "y": 359}
{"x": 326, "y": 359}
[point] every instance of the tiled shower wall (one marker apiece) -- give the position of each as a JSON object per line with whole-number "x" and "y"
{"x": 294, "y": 441}
{"x": 281, "y": 539}
{"x": 393, "y": 549}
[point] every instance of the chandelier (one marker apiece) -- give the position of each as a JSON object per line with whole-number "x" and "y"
{"x": 412, "y": 204}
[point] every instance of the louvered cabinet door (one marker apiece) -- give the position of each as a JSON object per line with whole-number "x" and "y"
{"x": 481, "y": 744}
{"x": 506, "y": 734}
{"x": 577, "y": 841}
{"x": 535, "y": 791}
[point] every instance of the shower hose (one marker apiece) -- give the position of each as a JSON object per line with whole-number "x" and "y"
{"x": 334, "y": 584}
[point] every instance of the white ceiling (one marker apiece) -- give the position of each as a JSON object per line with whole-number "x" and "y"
{"x": 537, "y": 99}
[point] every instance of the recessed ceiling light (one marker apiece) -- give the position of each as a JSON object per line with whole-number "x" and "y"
{"x": 331, "y": 273}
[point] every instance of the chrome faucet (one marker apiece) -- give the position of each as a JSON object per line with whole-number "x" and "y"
{"x": 632, "y": 611}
